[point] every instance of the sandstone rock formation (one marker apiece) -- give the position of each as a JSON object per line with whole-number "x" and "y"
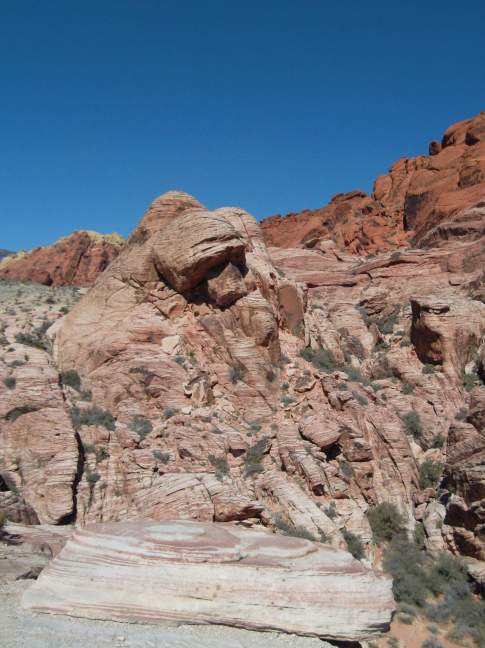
{"x": 206, "y": 376}
{"x": 416, "y": 196}
{"x": 244, "y": 578}
{"x": 73, "y": 260}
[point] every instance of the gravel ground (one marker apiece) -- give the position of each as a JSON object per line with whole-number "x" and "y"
{"x": 22, "y": 629}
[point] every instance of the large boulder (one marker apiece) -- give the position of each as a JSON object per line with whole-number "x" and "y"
{"x": 205, "y": 574}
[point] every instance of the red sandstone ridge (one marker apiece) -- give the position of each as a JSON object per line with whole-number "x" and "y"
{"x": 416, "y": 196}
{"x": 76, "y": 259}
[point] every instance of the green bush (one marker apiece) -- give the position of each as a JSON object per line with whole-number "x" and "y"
{"x": 428, "y": 369}
{"x": 236, "y": 374}
{"x": 438, "y": 441}
{"x": 412, "y": 423}
{"x": 254, "y": 456}
{"x": 71, "y": 379}
{"x": 164, "y": 457}
{"x": 331, "y": 511}
{"x": 407, "y": 389}
{"x": 9, "y": 382}
{"x": 168, "y": 412}
{"x": 429, "y": 473}
{"x": 439, "y": 586}
{"x": 362, "y": 400}
{"x": 287, "y": 528}
{"x": 385, "y": 522}
{"x": 386, "y": 324}
{"x": 322, "y": 359}
{"x": 92, "y": 416}
{"x": 220, "y": 464}
{"x": 141, "y": 426}
{"x": 354, "y": 544}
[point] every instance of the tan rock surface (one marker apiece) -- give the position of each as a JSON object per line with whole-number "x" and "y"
{"x": 205, "y": 574}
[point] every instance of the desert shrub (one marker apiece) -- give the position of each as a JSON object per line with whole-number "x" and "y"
{"x": 385, "y": 522}
{"x": 439, "y": 586}
{"x": 471, "y": 380}
{"x": 36, "y": 337}
{"x": 168, "y": 412}
{"x": 92, "y": 416}
{"x": 322, "y": 359}
{"x": 428, "y": 369}
{"x": 220, "y": 464}
{"x": 429, "y": 473}
{"x": 331, "y": 511}
{"x": 287, "y": 400}
{"x": 412, "y": 423}
{"x": 407, "y": 388}
{"x": 254, "y": 456}
{"x": 419, "y": 535}
{"x": 432, "y": 642}
{"x": 405, "y": 342}
{"x": 354, "y": 373}
{"x": 71, "y": 379}
{"x": 405, "y": 562}
{"x": 141, "y": 426}
{"x": 386, "y": 324}
{"x": 438, "y": 441}
{"x": 270, "y": 375}
{"x": 354, "y": 544}
{"x": 101, "y": 454}
{"x": 362, "y": 400}
{"x": 9, "y": 382}
{"x": 341, "y": 386}
{"x": 92, "y": 477}
{"x": 461, "y": 414}
{"x": 289, "y": 529}
{"x": 346, "y": 469}
{"x": 235, "y": 374}
{"x": 3, "y": 519}
{"x": 164, "y": 457}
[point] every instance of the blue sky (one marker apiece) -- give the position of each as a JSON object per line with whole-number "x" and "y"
{"x": 271, "y": 105}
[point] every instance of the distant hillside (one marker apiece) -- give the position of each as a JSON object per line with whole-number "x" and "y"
{"x": 4, "y": 253}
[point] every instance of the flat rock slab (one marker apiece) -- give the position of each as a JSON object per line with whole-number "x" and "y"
{"x": 191, "y": 572}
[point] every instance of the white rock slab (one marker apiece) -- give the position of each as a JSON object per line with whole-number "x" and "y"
{"x": 192, "y": 572}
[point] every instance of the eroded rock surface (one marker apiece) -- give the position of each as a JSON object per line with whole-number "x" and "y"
{"x": 205, "y": 573}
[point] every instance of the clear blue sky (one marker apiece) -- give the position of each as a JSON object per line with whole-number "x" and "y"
{"x": 273, "y": 105}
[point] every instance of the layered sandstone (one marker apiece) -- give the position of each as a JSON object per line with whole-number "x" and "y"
{"x": 204, "y": 574}
{"x": 73, "y": 260}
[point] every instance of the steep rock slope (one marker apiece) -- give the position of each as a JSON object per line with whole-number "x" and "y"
{"x": 73, "y": 260}
{"x": 416, "y": 196}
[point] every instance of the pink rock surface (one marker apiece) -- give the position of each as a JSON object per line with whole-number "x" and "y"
{"x": 206, "y": 574}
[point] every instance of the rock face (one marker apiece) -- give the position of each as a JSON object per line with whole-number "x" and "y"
{"x": 201, "y": 573}
{"x": 208, "y": 377}
{"x": 74, "y": 260}
{"x": 416, "y": 196}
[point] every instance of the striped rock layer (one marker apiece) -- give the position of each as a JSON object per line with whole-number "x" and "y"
{"x": 191, "y": 572}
